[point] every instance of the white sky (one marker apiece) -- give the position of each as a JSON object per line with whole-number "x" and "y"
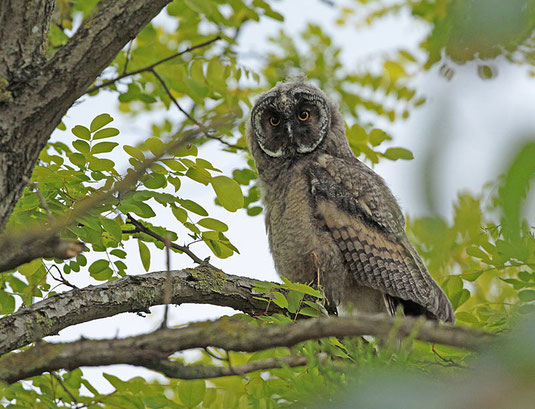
{"x": 482, "y": 122}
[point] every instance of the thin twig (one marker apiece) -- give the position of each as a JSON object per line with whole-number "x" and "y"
{"x": 210, "y": 353}
{"x": 168, "y": 282}
{"x": 329, "y": 3}
{"x": 204, "y": 130}
{"x": 168, "y": 92}
{"x": 150, "y": 67}
{"x": 446, "y": 361}
{"x": 127, "y": 56}
{"x": 179, "y": 371}
{"x": 57, "y": 378}
{"x": 144, "y": 229}
{"x": 33, "y": 186}
{"x": 230, "y": 367}
{"x": 62, "y": 279}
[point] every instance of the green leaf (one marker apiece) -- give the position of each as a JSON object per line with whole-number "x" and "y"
{"x": 310, "y": 311}
{"x": 180, "y": 214}
{"x": 280, "y": 300}
{"x": 106, "y": 133}
{"x": 215, "y": 74}
{"x": 81, "y": 132}
{"x": 155, "y": 181}
{"x": 398, "y": 153}
{"x": 112, "y": 227}
{"x": 7, "y": 303}
{"x": 394, "y": 70}
{"x": 118, "y": 253}
{"x": 294, "y": 301}
{"x": 476, "y": 252}
{"x": 134, "y": 152}
{"x": 466, "y": 317}
{"x": 526, "y": 295}
{"x": 98, "y": 266}
{"x": 228, "y": 193}
{"x": 115, "y": 381}
{"x": 193, "y": 207}
{"x": 77, "y": 159}
{"x": 144, "y": 254}
{"x": 213, "y": 224}
{"x": 513, "y": 193}
{"x": 199, "y": 175}
{"x": 377, "y": 136}
{"x": 174, "y": 164}
{"x": 103, "y": 275}
{"x": 454, "y": 285}
{"x": 191, "y": 393}
{"x": 98, "y": 164}
{"x": 103, "y": 147}
{"x": 81, "y": 146}
{"x": 155, "y": 145}
{"x": 254, "y": 211}
{"x": 100, "y": 121}
{"x": 188, "y": 149}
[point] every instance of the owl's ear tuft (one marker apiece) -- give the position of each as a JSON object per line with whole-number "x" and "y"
{"x": 299, "y": 78}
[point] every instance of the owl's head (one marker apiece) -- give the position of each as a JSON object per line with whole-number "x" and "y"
{"x": 291, "y": 120}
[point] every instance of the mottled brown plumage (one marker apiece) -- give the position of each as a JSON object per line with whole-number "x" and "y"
{"x": 329, "y": 217}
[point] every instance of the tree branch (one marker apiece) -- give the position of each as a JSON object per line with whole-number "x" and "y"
{"x": 180, "y": 371}
{"x": 200, "y": 285}
{"x": 22, "y": 247}
{"x": 190, "y": 117}
{"x": 15, "y": 253}
{"x": 22, "y": 29}
{"x": 39, "y": 92}
{"x": 231, "y": 334}
{"x": 141, "y": 228}
{"x": 152, "y": 66}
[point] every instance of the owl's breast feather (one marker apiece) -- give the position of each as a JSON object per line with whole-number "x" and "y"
{"x": 300, "y": 247}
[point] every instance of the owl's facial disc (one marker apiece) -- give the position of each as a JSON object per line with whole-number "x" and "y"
{"x": 315, "y": 124}
{"x": 290, "y": 122}
{"x": 266, "y": 122}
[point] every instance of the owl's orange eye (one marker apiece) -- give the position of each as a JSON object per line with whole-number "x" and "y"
{"x": 303, "y": 115}
{"x": 274, "y": 121}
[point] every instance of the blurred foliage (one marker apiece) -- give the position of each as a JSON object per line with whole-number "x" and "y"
{"x": 461, "y": 31}
{"x": 484, "y": 257}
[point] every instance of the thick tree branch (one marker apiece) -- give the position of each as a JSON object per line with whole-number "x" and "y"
{"x": 15, "y": 253}
{"x": 231, "y": 334}
{"x": 201, "y": 285}
{"x": 22, "y": 30}
{"x": 39, "y": 93}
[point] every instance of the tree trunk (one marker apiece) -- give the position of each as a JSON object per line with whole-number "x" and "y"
{"x": 37, "y": 89}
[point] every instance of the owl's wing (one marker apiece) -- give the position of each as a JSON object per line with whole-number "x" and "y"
{"x": 368, "y": 227}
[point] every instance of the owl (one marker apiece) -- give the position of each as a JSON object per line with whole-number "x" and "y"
{"x": 331, "y": 220}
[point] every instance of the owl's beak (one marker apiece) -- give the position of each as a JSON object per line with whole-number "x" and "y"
{"x": 289, "y": 130}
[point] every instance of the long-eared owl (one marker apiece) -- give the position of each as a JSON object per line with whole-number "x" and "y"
{"x": 329, "y": 217}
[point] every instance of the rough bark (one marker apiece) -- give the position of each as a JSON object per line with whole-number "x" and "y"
{"x": 201, "y": 285}
{"x": 230, "y": 334}
{"x": 35, "y": 92}
{"x": 14, "y": 254}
